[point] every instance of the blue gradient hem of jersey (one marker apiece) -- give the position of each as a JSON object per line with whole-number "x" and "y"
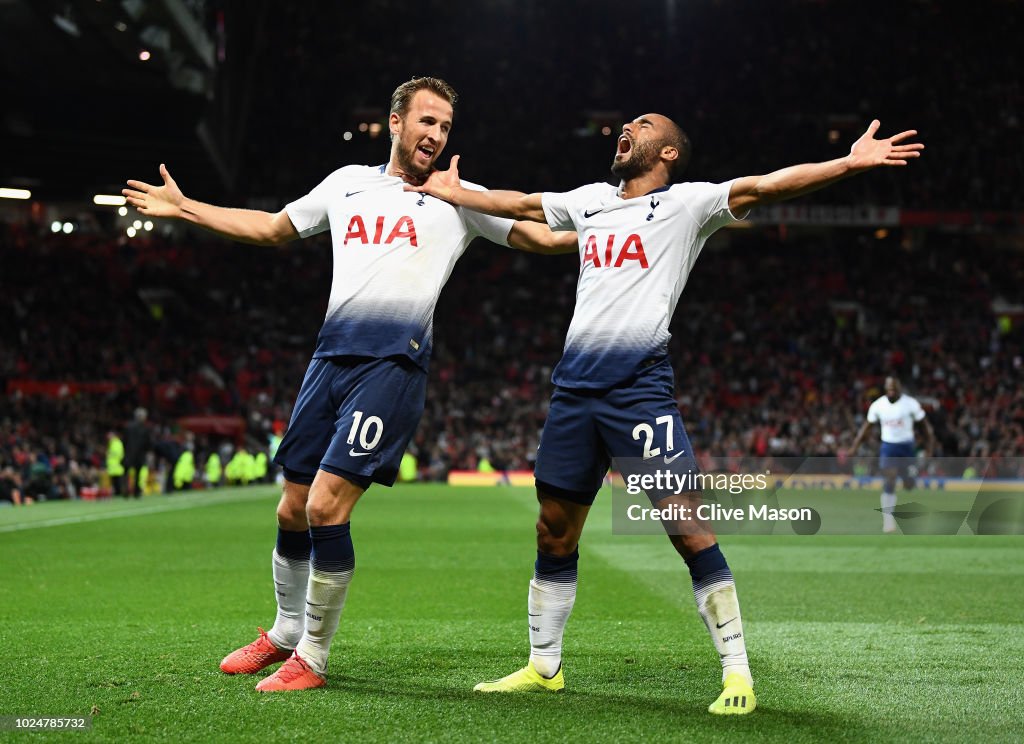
{"x": 599, "y": 370}
{"x": 374, "y": 338}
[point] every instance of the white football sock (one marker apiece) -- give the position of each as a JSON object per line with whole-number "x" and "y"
{"x": 325, "y": 599}
{"x": 290, "y": 578}
{"x": 888, "y": 504}
{"x": 549, "y": 606}
{"x": 720, "y": 610}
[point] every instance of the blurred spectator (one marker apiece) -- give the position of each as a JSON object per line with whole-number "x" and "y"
{"x": 136, "y": 447}
{"x": 213, "y": 470}
{"x": 10, "y": 486}
{"x": 115, "y": 463}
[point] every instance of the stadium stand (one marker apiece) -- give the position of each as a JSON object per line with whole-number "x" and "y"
{"x": 778, "y": 343}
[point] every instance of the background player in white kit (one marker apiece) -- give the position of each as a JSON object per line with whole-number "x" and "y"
{"x": 897, "y": 414}
{"x": 614, "y": 384}
{"x": 363, "y": 393}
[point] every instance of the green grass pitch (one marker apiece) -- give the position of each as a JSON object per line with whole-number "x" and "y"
{"x": 126, "y": 610}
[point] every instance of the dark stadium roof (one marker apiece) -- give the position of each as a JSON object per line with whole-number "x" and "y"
{"x": 81, "y": 109}
{"x": 251, "y": 99}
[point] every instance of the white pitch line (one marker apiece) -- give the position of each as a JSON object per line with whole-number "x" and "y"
{"x": 155, "y": 509}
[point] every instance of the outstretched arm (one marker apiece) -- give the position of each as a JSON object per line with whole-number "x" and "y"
{"x": 245, "y": 225}
{"x": 536, "y": 238}
{"x": 789, "y": 183}
{"x": 929, "y": 432}
{"x": 512, "y": 204}
{"x": 859, "y": 438}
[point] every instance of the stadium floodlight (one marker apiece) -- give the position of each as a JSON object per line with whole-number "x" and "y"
{"x": 68, "y": 228}
{"x": 147, "y": 225}
{"x": 123, "y": 211}
{"x": 66, "y": 23}
{"x": 144, "y": 55}
{"x": 108, "y": 200}
{"x": 15, "y": 193}
{"x": 131, "y": 232}
{"x": 137, "y": 224}
{"x": 347, "y": 136}
{"x": 56, "y": 225}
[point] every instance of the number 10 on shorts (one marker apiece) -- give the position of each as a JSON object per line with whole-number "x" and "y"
{"x": 369, "y": 431}
{"x": 647, "y": 431}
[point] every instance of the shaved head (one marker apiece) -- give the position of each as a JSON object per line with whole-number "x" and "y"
{"x": 675, "y": 137}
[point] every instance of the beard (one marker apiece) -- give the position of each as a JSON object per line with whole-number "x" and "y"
{"x": 642, "y": 158}
{"x": 407, "y": 162}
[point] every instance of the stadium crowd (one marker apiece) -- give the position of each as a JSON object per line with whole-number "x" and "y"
{"x": 780, "y": 342}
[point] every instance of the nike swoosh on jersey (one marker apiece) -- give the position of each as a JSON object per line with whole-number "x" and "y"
{"x": 353, "y": 453}
{"x": 588, "y": 215}
{"x": 353, "y": 193}
{"x": 670, "y": 460}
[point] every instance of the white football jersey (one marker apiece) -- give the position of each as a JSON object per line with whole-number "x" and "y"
{"x": 635, "y": 257}
{"x": 393, "y": 252}
{"x": 897, "y": 418}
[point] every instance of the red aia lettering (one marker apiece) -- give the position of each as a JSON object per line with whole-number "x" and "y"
{"x": 590, "y": 251}
{"x": 636, "y": 254}
{"x": 404, "y": 228}
{"x": 409, "y": 232}
{"x": 632, "y": 250}
{"x": 356, "y": 229}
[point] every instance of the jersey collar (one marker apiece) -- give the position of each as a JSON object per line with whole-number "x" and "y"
{"x": 666, "y": 187}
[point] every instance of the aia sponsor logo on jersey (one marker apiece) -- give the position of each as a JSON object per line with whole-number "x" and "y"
{"x": 610, "y": 252}
{"x": 403, "y": 228}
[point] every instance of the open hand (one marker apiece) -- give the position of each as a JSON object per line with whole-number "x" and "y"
{"x": 868, "y": 152}
{"x": 441, "y": 184}
{"x": 156, "y": 201}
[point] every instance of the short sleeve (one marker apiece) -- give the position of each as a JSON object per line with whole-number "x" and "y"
{"x": 918, "y": 411}
{"x": 708, "y": 203}
{"x": 494, "y": 229}
{"x": 560, "y": 209}
{"x": 872, "y": 414}
{"x": 309, "y": 213}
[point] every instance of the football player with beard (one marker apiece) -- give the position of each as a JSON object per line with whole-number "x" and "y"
{"x": 614, "y": 394}
{"x": 363, "y": 393}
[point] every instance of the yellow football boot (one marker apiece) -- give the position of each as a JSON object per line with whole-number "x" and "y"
{"x": 527, "y": 679}
{"x": 737, "y": 697}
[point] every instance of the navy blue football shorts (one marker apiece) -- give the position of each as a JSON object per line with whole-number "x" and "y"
{"x": 354, "y": 417}
{"x": 635, "y": 424}
{"x": 899, "y": 455}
